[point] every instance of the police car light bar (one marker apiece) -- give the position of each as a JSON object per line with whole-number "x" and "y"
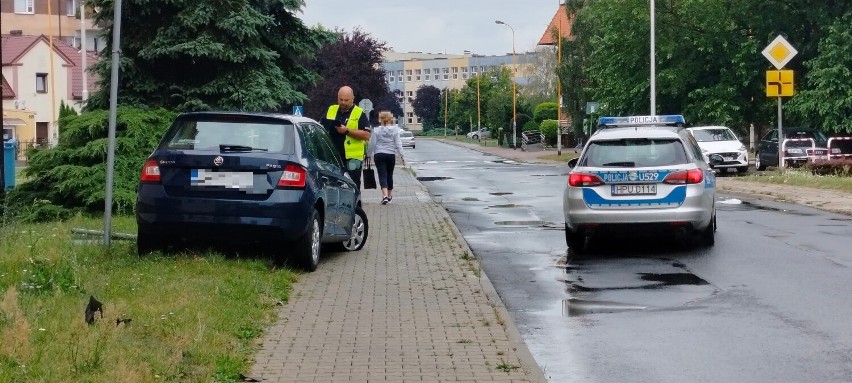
{"x": 670, "y": 119}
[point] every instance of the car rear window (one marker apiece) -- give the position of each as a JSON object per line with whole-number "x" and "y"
{"x": 641, "y": 152}
{"x": 208, "y": 134}
{"x": 818, "y": 137}
{"x": 709, "y": 135}
{"x": 406, "y": 134}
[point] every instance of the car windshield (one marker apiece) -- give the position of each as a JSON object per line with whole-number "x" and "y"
{"x": 634, "y": 152}
{"x": 709, "y": 135}
{"x": 238, "y": 134}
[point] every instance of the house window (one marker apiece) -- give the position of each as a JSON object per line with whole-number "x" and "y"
{"x": 24, "y": 6}
{"x": 417, "y": 73}
{"x": 41, "y": 82}
{"x": 409, "y": 93}
{"x": 71, "y": 7}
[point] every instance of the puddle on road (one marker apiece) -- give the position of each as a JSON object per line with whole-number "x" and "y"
{"x": 577, "y": 307}
{"x": 470, "y": 199}
{"x": 673, "y": 279}
{"x": 424, "y": 179}
{"x": 508, "y": 205}
{"x": 519, "y": 223}
{"x": 501, "y": 193}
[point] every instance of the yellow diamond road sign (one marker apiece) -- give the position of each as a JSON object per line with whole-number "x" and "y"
{"x": 779, "y": 52}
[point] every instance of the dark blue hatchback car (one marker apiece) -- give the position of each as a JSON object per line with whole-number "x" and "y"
{"x": 270, "y": 179}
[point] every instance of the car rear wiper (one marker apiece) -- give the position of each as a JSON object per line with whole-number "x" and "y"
{"x": 239, "y": 148}
{"x": 628, "y": 164}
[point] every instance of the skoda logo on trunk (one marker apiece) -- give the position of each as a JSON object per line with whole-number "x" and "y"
{"x": 218, "y": 161}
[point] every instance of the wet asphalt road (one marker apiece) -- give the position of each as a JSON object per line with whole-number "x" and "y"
{"x": 771, "y": 302}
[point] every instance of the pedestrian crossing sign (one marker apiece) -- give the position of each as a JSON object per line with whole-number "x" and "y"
{"x": 298, "y": 110}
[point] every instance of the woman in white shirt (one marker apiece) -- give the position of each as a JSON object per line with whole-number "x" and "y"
{"x": 384, "y": 146}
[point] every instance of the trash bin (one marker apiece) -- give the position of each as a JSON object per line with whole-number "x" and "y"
{"x": 9, "y": 149}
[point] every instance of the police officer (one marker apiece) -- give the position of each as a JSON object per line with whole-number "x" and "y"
{"x": 347, "y": 124}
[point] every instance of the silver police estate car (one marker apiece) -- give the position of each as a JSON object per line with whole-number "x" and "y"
{"x": 640, "y": 174}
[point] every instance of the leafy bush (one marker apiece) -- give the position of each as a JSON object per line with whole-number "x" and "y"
{"x": 72, "y": 176}
{"x": 840, "y": 167}
{"x": 545, "y": 111}
{"x": 549, "y": 129}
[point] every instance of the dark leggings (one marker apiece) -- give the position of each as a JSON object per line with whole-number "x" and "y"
{"x": 384, "y": 165}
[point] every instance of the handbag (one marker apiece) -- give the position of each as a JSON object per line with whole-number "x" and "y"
{"x": 369, "y": 175}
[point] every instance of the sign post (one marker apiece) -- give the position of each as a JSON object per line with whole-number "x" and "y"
{"x": 779, "y": 83}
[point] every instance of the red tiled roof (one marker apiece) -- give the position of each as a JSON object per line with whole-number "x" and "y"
{"x": 16, "y": 46}
{"x": 8, "y": 93}
{"x": 560, "y": 22}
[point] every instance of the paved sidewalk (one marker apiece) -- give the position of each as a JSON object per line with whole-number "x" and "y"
{"x": 412, "y": 306}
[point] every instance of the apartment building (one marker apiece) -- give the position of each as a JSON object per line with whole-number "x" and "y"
{"x": 406, "y": 72}
{"x": 58, "y": 18}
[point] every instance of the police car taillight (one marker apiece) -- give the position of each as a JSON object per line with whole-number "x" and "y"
{"x": 582, "y": 180}
{"x": 693, "y": 176}
{"x": 150, "y": 172}
{"x": 294, "y": 176}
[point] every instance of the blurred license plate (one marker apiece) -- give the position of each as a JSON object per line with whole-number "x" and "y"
{"x": 650, "y": 189}
{"x": 229, "y": 180}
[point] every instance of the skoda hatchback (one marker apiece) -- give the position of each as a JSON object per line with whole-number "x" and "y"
{"x": 643, "y": 177}
{"x": 253, "y": 178}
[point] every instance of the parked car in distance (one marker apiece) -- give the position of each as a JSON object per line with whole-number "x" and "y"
{"x": 479, "y": 134}
{"x": 795, "y": 152}
{"x": 722, "y": 141}
{"x": 639, "y": 175}
{"x": 268, "y": 180}
{"x": 407, "y": 139}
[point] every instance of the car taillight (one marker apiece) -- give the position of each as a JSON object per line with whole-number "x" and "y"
{"x": 693, "y": 176}
{"x": 582, "y": 179}
{"x": 294, "y": 176}
{"x": 150, "y": 172}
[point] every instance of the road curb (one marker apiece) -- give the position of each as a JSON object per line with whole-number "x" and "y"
{"x": 528, "y": 363}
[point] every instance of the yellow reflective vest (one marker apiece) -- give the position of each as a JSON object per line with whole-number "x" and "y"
{"x": 354, "y": 148}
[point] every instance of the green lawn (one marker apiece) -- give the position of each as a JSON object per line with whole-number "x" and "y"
{"x": 800, "y": 177}
{"x": 193, "y": 317}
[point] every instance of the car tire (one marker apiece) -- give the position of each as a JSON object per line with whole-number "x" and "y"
{"x": 360, "y": 230}
{"x": 148, "y": 241}
{"x": 308, "y": 246}
{"x": 575, "y": 241}
{"x": 758, "y": 164}
{"x": 708, "y": 235}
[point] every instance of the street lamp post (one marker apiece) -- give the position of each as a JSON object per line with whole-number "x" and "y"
{"x": 514, "y": 91}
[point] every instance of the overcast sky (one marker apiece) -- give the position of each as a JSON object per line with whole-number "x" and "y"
{"x": 439, "y": 26}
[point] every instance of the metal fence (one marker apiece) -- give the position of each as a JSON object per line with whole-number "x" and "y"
{"x": 25, "y": 146}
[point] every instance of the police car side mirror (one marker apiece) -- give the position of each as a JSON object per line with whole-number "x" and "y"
{"x": 573, "y": 162}
{"x": 716, "y": 159}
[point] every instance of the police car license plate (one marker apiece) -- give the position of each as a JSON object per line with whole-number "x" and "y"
{"x": 646, "y": 189}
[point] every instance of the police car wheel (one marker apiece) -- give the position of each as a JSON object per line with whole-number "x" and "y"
{"x": 708, "y": 237}
{"x": 576, "y": 241}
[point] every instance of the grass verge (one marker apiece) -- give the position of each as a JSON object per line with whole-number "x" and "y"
{"x": 800, "y": 177}
{"x": 182, "y": 318}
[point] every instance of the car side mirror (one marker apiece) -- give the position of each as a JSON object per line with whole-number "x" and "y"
{"x": 572, "y": 163}
{"x": 716, "y": 159}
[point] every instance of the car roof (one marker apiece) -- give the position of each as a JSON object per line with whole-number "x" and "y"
{"x": 707, "y": 127}
{"x": 281, "y": 116}
{"x": 636, "y": 132}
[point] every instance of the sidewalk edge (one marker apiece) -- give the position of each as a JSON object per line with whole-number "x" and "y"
{"x": 528, "y": 363}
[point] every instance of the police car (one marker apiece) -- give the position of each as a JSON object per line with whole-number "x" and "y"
{"x": 640, "y": 174}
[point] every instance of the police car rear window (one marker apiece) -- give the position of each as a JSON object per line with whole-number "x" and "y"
{"x": 209, "y": 134}
{"x": 634, "y": 153}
